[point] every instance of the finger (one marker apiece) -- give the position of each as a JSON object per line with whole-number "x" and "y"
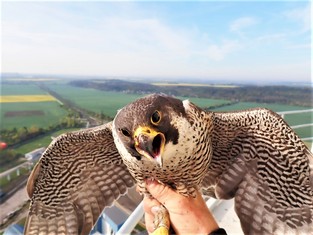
{"x": 173, "y": 201}
{"x": 149, "y": 203}
{"x": 161, "y": 192}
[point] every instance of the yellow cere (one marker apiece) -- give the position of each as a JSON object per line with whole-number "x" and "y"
{"x": 145, "y": 130}
{"x": 25, "y": 98}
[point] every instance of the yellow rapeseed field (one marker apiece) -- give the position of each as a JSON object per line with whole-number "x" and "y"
{"x": 25, "y": 98}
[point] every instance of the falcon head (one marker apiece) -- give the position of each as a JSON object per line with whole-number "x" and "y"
{"x": 152, "y": 129}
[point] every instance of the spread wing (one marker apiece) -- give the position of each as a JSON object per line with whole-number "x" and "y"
{"x": 78, "y": 175}
{"x": 259, "y": 160}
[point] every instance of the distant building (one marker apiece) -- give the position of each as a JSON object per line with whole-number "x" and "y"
{"x": 34, "y": 155}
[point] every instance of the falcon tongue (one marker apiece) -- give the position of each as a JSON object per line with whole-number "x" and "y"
{"x": 157, "y": 145}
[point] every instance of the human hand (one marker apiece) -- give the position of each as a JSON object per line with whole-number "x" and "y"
{"x": 188, "y": 215}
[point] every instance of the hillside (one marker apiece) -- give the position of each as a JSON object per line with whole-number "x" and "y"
{"x": 301, "y": 96}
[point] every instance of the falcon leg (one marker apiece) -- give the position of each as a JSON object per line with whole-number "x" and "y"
{"x": 161, "y": 221}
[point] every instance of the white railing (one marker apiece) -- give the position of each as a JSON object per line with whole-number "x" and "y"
{"x": 16, "y": 169}
{"x": 302, "y": 125}
{"x": 132, "y": 220}
{"x": 283, "y": 113}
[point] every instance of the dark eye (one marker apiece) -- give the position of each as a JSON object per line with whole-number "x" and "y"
{"x": 156, "y": 117}
{"x": 125, "y": 132}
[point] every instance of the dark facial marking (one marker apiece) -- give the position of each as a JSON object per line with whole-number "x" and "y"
{"x": 164, "y": 105}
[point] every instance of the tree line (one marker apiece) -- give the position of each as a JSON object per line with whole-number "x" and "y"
{"x": 19, "y": 135}
{"x": 300, "y": 96}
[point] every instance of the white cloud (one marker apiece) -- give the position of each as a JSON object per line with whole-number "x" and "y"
{"x": 269, "y": 38}
{"x": 53, "y": 39}
{"x": 242, "y": 23}
{"x": 301, "y": 16}
{"x": 112, "y": 46}
{"x": 144, "y": 35}
{"x": 218, "y": 52}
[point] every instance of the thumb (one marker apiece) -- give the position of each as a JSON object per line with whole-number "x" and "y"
{"x": 160, "y": 192}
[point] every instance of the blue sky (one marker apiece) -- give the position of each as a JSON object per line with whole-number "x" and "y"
{"x": 210, "y": 40}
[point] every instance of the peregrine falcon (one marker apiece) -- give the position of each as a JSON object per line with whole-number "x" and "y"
{"x": 251, "y": 155}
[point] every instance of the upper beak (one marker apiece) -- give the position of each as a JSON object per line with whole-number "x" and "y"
{"x": 149, "y": 143}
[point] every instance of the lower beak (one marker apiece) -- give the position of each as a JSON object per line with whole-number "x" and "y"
{"x": 149, "y": 143}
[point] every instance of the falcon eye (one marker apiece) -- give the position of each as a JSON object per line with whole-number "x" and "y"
{"x": 156, "y": 117}
{"x": 125, "y": 132}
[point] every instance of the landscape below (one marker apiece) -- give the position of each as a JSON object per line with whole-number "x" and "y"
{"x": 37, "y": 110}
{"x": 54, "y": 104}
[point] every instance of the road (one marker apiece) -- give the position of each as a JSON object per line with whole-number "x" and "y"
{"x": 13, "y": 202}
{"x": 82, "y": 113}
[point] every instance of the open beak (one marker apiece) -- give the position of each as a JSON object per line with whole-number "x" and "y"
{"x": 149, "y": 143}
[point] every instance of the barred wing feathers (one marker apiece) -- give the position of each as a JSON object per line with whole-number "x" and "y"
{"x": 261, "y": 162}
{"x": 78, "y": 175}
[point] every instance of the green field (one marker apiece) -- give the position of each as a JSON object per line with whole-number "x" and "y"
{"x": 204, "y": 103}
{"x": 52, "y": 114}
{"x": 94, "y": 100}
{"x": 17, "y": 89}
{"x": 109, "y": 102}
{"x": 27, "y": 114}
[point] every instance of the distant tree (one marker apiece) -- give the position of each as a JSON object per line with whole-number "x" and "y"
{"x": 21, "y": 133}
{"x": 70, "y": 122}
{"x": 33, "y": 130}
